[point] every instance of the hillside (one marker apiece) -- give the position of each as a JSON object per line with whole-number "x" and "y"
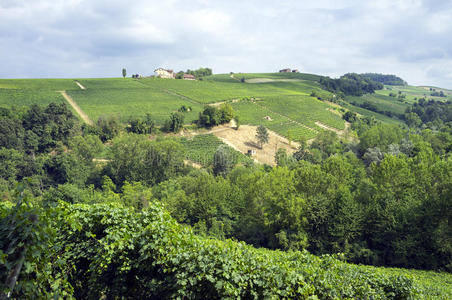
{"x": 292, "y": 105}
{"x": 287, "y": 104}
{"x": 120, "y": 195}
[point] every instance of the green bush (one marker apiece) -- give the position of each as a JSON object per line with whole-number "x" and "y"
{"x": 115, "y": 252}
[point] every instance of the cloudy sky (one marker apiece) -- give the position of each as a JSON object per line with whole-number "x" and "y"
{"x": 97, "y": 38}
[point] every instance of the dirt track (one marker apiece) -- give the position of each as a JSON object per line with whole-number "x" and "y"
{"x": 77, "y": 108}
{"x": 80, "y": 85}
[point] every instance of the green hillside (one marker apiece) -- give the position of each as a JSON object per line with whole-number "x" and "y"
{"x": 283, "y": 102}
{"x": 285, "y": 98}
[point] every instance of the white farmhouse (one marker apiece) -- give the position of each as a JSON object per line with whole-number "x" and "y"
{"x": 164, "y": 73}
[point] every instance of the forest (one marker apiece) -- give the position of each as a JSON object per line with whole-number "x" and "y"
{"x": 350, "y": 84}
{"x": 384, "y": 79}
{"x": 78, "y": 223}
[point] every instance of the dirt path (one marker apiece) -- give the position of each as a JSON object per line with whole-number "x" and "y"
{"x": 77, "y": 108}
{"x": 216, "y": 104}
{"x": 341, "y": 133}
{"x": 80, "y": 85}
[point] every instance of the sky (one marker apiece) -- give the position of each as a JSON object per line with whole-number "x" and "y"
{"x": 97, "y": 38}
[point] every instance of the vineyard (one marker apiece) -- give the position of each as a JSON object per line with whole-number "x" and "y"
{"x": 122, "y": 253}
{"x": 251, "y": 113}
{"x": 126, "y": 103}
{"x": 412, "y": 92}
{"x": 27, "y": 97}
{"x": 201, "y": 148}
{"x": 283, "y": 102}
{"x": 381, "y": 102}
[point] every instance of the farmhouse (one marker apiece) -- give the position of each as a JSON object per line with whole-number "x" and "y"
{"x": 285, "y": 70}
{"x": 189, "y": 77}
{"x": 164, "y": 73}
{"x": 295, "y": 71}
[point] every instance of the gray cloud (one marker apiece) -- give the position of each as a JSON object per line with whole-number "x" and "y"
{"x": 81, "y": 38}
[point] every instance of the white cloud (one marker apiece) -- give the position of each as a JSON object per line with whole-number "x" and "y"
{"x": 61, "y": 38}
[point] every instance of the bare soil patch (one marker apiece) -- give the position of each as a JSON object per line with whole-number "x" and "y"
{"x": 244, "y": 139}
{"x": 334, "y": 111}
{"x": 80, "y": 85}
{"x": 192, "y": 164}
{"x": 216, "y": 104}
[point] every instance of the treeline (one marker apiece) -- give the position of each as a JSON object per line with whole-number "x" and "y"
{"x": 350, "y": 84}
{"x": 384, "y": 79}
{"x": 199, "y": 73}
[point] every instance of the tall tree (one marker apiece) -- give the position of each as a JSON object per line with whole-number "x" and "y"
{"x": 124, "y": 72}
{"x": 262, "y": 135}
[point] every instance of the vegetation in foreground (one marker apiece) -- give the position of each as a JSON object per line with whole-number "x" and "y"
{"x": 108, "y": 250}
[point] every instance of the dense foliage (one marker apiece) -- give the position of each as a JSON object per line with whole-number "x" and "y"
{"x": 434, "y": 112}
{"x": 384, "y": 79}
{"x": 212, "y": 116}
{"x": 199, "y": 73}
{"x": 108, "y": 250}
{"x": 350, "y": 84}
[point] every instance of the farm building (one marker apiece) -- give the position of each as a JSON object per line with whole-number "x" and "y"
{"x": 285, "y": 70}
{"x": 295, "y": 71}
{"x": 164, "y": 73}
{"x": 189, "y": 77}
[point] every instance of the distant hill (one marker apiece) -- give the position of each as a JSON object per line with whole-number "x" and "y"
{"x": 384, "y": 79}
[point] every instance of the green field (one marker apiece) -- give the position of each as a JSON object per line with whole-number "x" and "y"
{"x": 132, "y": 102}
{"x": 299, "y": 76}
{"x": 38, "y": 84}
{"x": 25, "y": 92}
{"x": 415, "y": 92}
{"x": 27, "y": 97}
{"x": 382, "y": 102}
